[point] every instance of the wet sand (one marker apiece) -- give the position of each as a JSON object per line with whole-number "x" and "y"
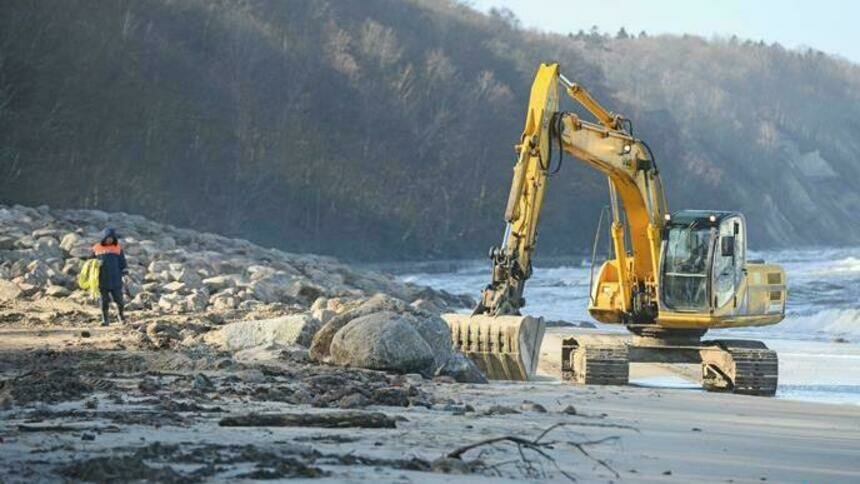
{"x": 150, "y": 414}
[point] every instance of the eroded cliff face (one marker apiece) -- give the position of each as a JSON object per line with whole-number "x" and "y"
{"x": 384, "y": 129}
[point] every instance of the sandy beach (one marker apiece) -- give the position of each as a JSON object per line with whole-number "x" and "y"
{"x": 156, "y": 415}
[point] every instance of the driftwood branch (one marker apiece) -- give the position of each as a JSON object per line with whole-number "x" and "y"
{"x": 581, "y": 447}
{"x": 540, "y": 447}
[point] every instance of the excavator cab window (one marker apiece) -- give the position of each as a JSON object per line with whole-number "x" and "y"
{"x": 685, "y": 277}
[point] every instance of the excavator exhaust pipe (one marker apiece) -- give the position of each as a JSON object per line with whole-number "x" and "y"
{"x": 503, "y": 347}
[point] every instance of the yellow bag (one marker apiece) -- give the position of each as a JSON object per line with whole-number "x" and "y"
{"x": 88, "y": 278}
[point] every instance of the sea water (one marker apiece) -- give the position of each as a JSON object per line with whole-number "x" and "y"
{"x": 818, "y": 342}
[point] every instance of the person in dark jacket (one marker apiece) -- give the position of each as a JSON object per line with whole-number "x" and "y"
{"x": 113, "y": 267}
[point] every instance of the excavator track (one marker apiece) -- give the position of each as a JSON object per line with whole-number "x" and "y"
{"x": 595, "y": 362}
{"x": 744, "y": 367}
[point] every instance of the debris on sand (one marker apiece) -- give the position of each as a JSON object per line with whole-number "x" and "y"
{"x": 121, "y": 469}
{"x": 44, "y": 386}
{"x": 346, "y": 419}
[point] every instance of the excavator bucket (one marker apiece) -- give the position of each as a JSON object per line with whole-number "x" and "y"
{"x": 504, "y": 347}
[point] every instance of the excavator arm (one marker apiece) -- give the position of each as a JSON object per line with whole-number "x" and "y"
{"x": 634, "y": 185}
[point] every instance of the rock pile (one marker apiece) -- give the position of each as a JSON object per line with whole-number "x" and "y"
{"x": 177, "y": 271}
{"x": 326, "y": 312}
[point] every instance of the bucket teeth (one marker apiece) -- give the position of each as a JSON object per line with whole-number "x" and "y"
{"x": 503, "y": 347}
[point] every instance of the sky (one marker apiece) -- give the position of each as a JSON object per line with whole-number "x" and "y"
{"x": 831, "y": 26}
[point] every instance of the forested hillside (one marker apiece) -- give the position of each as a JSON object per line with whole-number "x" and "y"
{"x": 384, "y": 129}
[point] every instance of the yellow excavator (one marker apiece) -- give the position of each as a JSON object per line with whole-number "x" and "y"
{"x": 669, "y": 277}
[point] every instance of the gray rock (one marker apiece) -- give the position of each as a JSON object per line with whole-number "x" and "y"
{"x": 7, "y": 243}
{"x": 71, "y": 267}
{"x": 382, "y": 341}
{"x": 436, "y": 333}
{"x": 8, "y": 290}
{"x": 57, "y": 291}
{"x": 132, "y": 288}
{"x": 530, "y": 406}
{"x": 172, "y": 303}
{"x": 223, "y": 302}
{"x": 450, "y": 465}
{"x": 19, "y": 268}
{"x": 257, "y": 272}
{"x": 80, "y": 251}
{"x": 26, "y": 242}
{"x": 174, "y": 286}
{"x": 142, "y": 300}
{"x": 37, "y": 273}
{"x": 379, "y": 302}
{"x": 304, "y": 291}
{"x": 28, "y": 290}
{"x": 287, "y": 330}
{"x": 462, "y": 369}
{"x": 272, "y": 352}
{"x": 500, "y": 410}
{"x": 319, "y": 303}
{"x": 188, "y": 277}
{"x": 197, "y": 300}
{"x": 427, "y": 306}
{"x": 324, "y": 315}
{"x": 249, "y": 305}
{"x": 272, "y": 287}
{"x": 44, "y": 232}
{"x": 150, "y": 287}
{"x": 59, "y": 278}
{"x": 162, "y": 334}
{"x": 167, "y": 243}
{"x": 157, "y": 266}
{"x": 219, "y": 283}
{"x": 47, "y": 247}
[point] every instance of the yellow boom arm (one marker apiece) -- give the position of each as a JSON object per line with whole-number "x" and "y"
{"x": 634, "y": 186}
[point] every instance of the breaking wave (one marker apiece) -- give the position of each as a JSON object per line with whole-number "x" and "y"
{"x": 830, "y": 322}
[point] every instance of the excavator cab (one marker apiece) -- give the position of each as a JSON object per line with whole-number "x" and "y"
{"x": 702, "y": 258}
{"x": 706, "y": 280}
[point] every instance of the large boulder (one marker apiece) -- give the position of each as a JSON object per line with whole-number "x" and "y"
{"x": 436, "y": 333}
{"x": 286, "y": 330}
{"x": 383, "y": 341}
{"x": 377, "y": 303}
